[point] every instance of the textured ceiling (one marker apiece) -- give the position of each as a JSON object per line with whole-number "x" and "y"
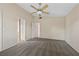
{"x": 54, "y": 9}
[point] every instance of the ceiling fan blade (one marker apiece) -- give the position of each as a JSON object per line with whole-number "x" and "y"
{"x": 34, "y": 7}
{"x": 46, "y": 6}
{"x": 33, "y": 12}
{"x": 45, "y": 12}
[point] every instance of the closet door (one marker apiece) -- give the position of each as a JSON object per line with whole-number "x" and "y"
{"x": 35, "y": 30}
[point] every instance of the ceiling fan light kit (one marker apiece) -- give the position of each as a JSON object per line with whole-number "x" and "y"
{"x": 39, "y": 10}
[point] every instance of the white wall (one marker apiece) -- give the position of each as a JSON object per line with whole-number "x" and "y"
{"x": 51, "y": 27}
{"x": 11, "y": 14}
{"x": 72, "y": 28}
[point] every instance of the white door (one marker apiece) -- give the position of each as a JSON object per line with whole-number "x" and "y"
{"x": 35, "y": 30}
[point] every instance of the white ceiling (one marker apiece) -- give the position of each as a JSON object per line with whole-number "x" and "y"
{"x": 54, "y": 9}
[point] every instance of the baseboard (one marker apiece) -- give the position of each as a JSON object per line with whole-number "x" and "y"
{"x": 8, "y": 47}
{"x": 71, "y": 46}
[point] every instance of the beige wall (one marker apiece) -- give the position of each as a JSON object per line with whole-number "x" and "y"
{"x": 72, "y": 28}
{"x": 11, "y": 14}
{"x": 51, "y": 27}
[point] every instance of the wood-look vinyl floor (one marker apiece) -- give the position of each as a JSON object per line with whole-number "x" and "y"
{"x": 40, "y": 47}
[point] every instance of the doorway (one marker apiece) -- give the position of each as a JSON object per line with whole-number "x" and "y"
{"x": 35, "y": 30}
{"x": 21, "y": 30}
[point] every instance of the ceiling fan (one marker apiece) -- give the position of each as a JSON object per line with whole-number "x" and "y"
{"x": 40, "y": 10}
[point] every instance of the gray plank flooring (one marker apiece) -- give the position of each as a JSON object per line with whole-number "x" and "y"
{"x": 40, "y": 47}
